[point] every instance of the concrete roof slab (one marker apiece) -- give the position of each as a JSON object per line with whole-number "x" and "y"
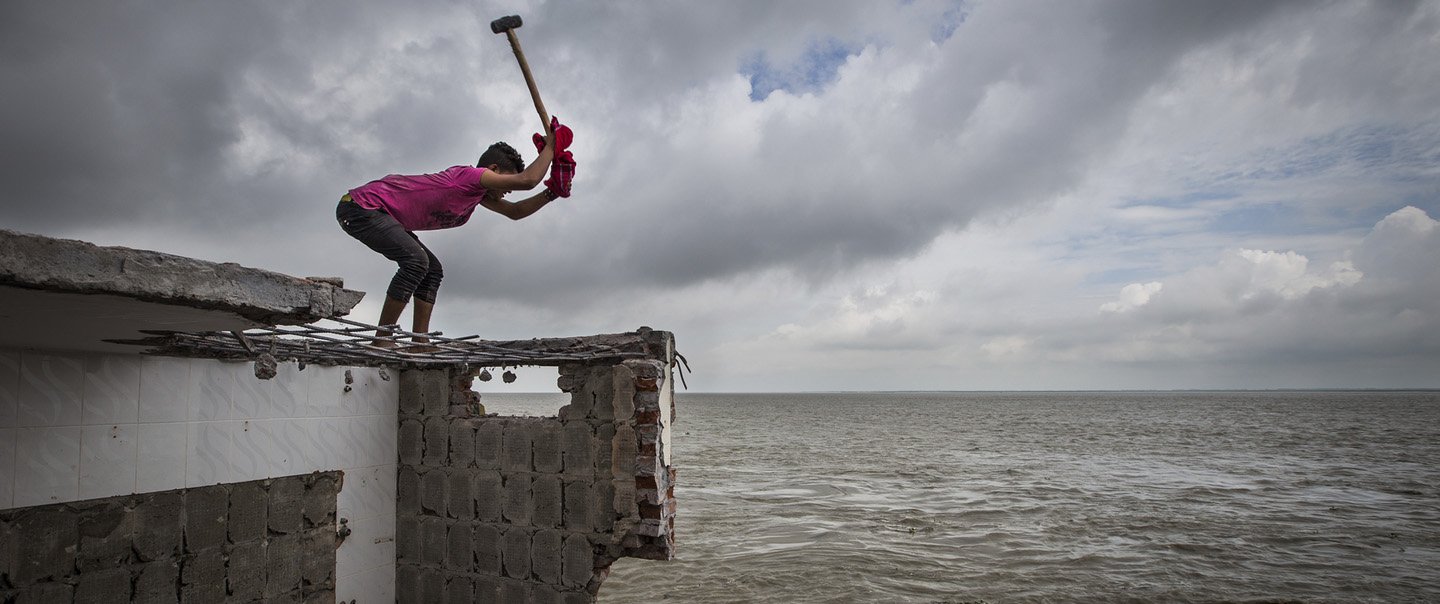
{"x": 67, "y": 294}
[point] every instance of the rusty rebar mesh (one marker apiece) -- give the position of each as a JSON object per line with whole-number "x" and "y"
{"x": 344, "y": 342}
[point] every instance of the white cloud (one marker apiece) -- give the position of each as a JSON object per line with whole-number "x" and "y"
{"x": 1404, "y": 246}
{"x": 1211, "y": 325}
{"x": 1006, "y": 346}
{"x": 1408, "y": 222}
{"x": 1272, "y": 307}
{"x": 1133, "y": 296}
{"x": 1246, "y": 277}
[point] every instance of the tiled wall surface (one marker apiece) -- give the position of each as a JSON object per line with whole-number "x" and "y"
{"x": 84, "y": 426}
{"x": 269, "y": 540}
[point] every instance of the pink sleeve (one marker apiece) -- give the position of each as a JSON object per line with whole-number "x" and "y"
{"x": 468, "y": 179}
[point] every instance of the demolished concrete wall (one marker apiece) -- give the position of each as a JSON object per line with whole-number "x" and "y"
{"x": 487, "y": 509}
{"x": 520, "y": 509}
{"x": 81, "y": 426}
{"x": 267, "y": 540}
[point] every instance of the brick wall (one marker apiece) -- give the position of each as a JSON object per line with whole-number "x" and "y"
{"x": 270, "y": 540}
{"x": 520, "y": 509}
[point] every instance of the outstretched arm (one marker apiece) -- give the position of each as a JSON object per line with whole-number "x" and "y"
{"x": 526, "y": 180}
{"x": 515, "y": 210}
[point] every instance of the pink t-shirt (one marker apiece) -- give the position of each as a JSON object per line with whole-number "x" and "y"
{"x": 425, "y": 202}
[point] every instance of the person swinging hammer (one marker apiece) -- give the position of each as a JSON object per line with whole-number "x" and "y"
{"x": 385, "y": 214}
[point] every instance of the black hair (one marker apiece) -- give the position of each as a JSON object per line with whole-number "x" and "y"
{"x": 502, "y": 155}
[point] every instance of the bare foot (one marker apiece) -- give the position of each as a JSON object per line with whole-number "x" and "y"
{"x": 418, "y": 346}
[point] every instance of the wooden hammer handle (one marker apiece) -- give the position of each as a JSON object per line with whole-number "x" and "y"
{"x": 529, "y": 79}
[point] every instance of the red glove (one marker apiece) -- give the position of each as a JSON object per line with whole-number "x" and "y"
{"x": 563, "y": 136}
{"x": 562, "y": 171}
{"x": 562, "y": 168}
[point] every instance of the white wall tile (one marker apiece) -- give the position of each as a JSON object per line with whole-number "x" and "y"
{"x": 9, "y": 387}
{"x": 51, "y": 389}
{"x": 379, "y": 396}
{"x": 316, "y": 438}
{"x": 326, "y": 385}
{"x": 112, "y": 389}
{"x": 370, "y": 546}
{"x": 305, "y": 454}
{"x": 289, "y": 391}
{"x": 252, "y": 394}
{"x": 164, "y": 389}
{"x": 386, "y": 395}
{"x": 108, "y": 460}
{"x": 160, "y": 457}
{"x": 280, "y": 396}
{"x": 359, "y": 400}
{"x": 208, "y": 454}
{"x": 387, "y": 429}
{"x": 324, "y": 444}
{"x": 212, "y": 387}
{"x": 323, "y": 388}
{"x": 285, "y": 445}
{"x": 374, "y": 585}
{"x": 345, "y": 441}
{"x": 368, "y": 492}
{"x": 376, "y": 395}
{"x": 254, "y": 450}
{"x": 47, "y": 465}
{"x": 355, "y": 401}
{"x": 362, "y": 444}
{"x": 7, "y": 467}
{"x": 374, "y": 439}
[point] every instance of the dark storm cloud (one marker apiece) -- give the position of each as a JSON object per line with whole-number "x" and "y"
{"x": 819, "y": 194}
{"x": 242, "y": 121}
{"x": 111, "y": 107}
{"x": 133, "y": 113}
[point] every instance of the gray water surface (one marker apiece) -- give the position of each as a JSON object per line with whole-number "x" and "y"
{"x": 1038, "y": 497}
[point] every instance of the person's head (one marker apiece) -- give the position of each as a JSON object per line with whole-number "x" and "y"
{"x": 501, "y": 158}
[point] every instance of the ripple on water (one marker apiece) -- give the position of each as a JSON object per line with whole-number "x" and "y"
{"x": 1036, "y": 497}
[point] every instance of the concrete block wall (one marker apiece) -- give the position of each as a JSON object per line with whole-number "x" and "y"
{"x": 79, "y": 426}
{"x": 269, "y": 540}
{"x": 532, "y": 509}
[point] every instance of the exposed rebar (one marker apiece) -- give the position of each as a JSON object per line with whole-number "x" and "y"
{"x": 341, "y": 341}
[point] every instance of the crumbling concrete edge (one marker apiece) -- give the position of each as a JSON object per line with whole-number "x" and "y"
{"x": 642, "y": 404}
{"x": 72, "y": 266}
{"x": 495, "y": 507}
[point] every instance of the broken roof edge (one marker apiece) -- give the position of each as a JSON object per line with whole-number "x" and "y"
{"x": 342, "y": 342}
{"x": 72, "y": 266}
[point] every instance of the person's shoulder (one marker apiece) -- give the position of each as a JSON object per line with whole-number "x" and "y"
{"x": 463, "y": 170}
{"x": 463, "y": 174}
{"x": 466, "y": 178}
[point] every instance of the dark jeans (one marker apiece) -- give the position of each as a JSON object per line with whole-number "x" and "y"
{"x": 420, "y": 271}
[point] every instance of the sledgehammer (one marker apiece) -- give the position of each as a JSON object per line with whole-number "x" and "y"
{"x": 507, "y": 26}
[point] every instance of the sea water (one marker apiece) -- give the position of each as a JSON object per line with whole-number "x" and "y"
{"x": 1047, "y": 497}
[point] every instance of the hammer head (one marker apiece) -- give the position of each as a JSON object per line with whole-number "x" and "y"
{"x": 504, "y": 24}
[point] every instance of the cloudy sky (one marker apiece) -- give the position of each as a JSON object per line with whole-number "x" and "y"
{"x": 813, "y": 195}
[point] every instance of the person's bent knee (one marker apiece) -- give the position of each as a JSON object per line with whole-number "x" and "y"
{"x": 429, "y": 288}
{"x": 430, "y": 285}
{"x": 416, "y": 264}
{"x": 433, "y": 277}
{"x": 399, "y": 293}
